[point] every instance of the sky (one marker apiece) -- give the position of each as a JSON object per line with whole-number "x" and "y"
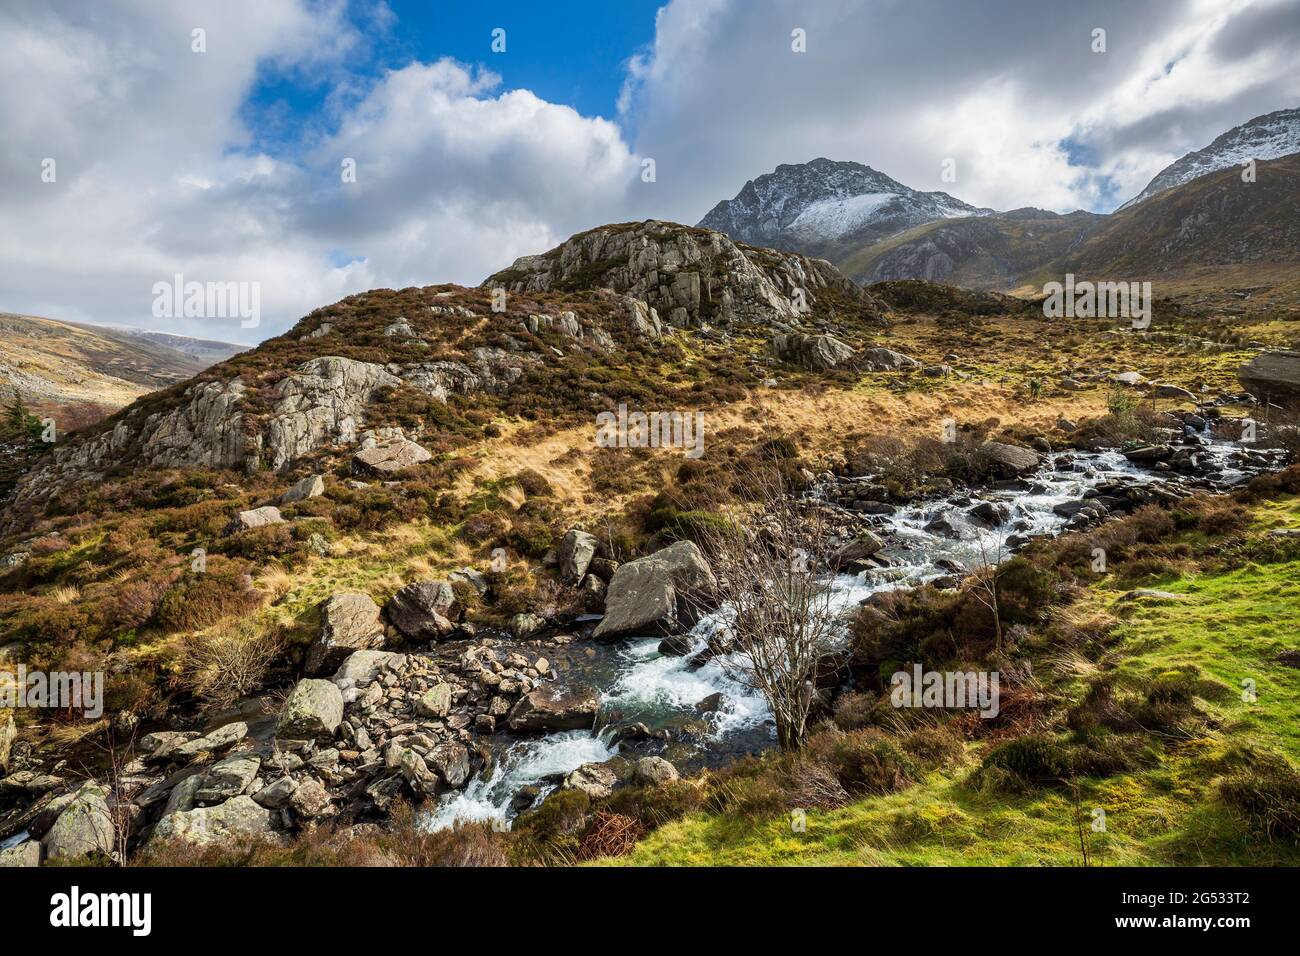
{"x": 310, "y": 149}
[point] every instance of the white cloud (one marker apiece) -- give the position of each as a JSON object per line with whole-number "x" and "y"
{"x": 1009, "y": 88}
{"x": 159, "y": 171}
{"x": 157, "y": 175}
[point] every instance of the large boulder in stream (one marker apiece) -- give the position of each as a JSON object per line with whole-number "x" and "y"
{"x": 1008, "y": 461}
{"x": 1272, "y": 376}
{"x": 550, "y": 708}
{"x": 657, "y": 594}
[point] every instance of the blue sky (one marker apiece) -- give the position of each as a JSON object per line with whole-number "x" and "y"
{"x": 559, "y": 49}
{"x": 225, "y": 166}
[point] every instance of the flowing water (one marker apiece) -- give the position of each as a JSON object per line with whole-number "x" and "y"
{"x": 662, "y": 691}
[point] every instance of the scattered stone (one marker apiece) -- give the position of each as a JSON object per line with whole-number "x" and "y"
{"x": 451, "y": 761}
{"x": 310, "y": 487}
{"x": 276, "y": 795}
{"x": 550, "y": 708}
{"x": 27, "y": 853}
{"x": 214, "y": 740}
{"x": 391, "y": 457}
{"x": 227, "y": 778}
{"x": 84, "y": 828}
{"x": 309, "y": 800}
{"x": 1272, "y": 376}
{"x": 1008, "y": 461}
{"x": 417, "y": 773}
{"x": 435, "y": 702}
{"x": 363, "y": 667}
{"x": 1149, "y": 594}
{"x": 256, "y": 518}
{"x": 887, "y": 360}
{"x": 814, "y": 352}
{"x": 596, "y": 780}
{"x": 653, "y": 771}
{"x": 8, "y": 734}
{"x": 524, "y": 626}
{"x": 660, "y": 592}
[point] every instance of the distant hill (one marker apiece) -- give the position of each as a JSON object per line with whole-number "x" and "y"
{"x": 52, "y": 362}
{"x": 1215, "y": 221}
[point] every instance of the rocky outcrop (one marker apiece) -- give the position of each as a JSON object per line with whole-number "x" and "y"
{"x": 814, "y": 352}
{"x": 659, "y": 593}
{"x": 204, "y": 430}
{"x": 321, "y": 402}
{"x": 1272, "y": 376}
{"x": 687, "y": 277}
{"x": 349, "y": 622}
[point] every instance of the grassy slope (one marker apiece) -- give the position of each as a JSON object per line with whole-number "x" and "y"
{"x": 1231, "y": 628}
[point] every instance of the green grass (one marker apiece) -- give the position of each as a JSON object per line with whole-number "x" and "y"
{"x": 1231, "y": 629}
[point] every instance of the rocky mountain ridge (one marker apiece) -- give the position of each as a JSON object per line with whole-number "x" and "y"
{"x": 1264, "y": 137}
{"x": 821, "y": 206}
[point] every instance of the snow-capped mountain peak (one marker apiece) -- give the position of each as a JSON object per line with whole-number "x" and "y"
{"x": 1265, "y": 137}
{"x": 807, "y": 205}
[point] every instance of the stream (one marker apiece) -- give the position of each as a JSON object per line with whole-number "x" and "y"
{"x": 642, "y": 685}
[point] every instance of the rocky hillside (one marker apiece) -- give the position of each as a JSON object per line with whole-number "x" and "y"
{"x": 418, "y": 371}
{"x": 991, "y": 252}
{"x": 825, "y": 207}
{"x": 1215, "y": 220}
{"x": 1264, "y": 137}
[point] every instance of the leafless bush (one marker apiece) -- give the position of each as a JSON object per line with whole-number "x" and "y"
{"x": 772, "y": 566}
{"x": 226, "y": 662}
